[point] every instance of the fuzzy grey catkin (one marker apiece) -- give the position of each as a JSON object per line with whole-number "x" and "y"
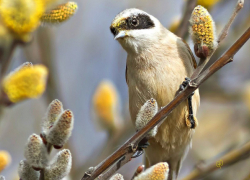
{"x": 26, "y": 172}
{"x": 60, "y": 166}
{"x": 2, "y": 177}
{"x": 61, "y": 131}
{"x": 36, "y": 152}
{"x": 117, "y": 177}
{"x": 54, "y": 111}
{"x": 146, "y": 113}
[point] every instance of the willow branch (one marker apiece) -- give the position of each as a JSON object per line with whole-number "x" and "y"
{"x": 163, "y": 113}
{"x": 183, "y": 27}
{"x": 230, "y": 158}
{"x": 222, "y": 36}
{"x": 115, "y": 167}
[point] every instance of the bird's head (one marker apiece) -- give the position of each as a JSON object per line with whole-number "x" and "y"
{"x": 135, "y": 30}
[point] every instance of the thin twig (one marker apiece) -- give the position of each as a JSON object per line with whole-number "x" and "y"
{"x": 230, "y": 158}
{"x": 163, "y": 113}
{"x": 224, "y": 32}
{"x": 222, "y": 36}
{"x": 183, "y": 27}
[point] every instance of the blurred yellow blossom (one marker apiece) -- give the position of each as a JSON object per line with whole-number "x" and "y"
{"x": 60, "y": 14}
{"x": 21, "y": 16}
{"x": 207, "y": 3}
{"x": 156, "y": 172}
{"x": 25, "y": 82}
{"x": 5, "y": 159}
{"x": 106, "y": 105}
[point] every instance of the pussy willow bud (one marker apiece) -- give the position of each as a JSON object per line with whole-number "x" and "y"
{"x": 146, "y": 113}
{"x": 54, "y": 111}
{"x": 117, "y": 177}
{"x": 60, "y": 166}
{"x": 156, "y": 172}
{"x": 61, "y": 130}
{"x": 2, "y": 177}
{"x": 26, "y": 172}
{"x": 60, "y": 14}
{"x": 36, "y": 153}
{"x": 5, "y": 159}
{"x": 202, "y": 31}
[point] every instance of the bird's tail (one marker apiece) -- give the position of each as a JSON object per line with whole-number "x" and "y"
{"x": 174, "y": 169}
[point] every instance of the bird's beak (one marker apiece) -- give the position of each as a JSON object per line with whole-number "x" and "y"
{"x": 121, "y": 34}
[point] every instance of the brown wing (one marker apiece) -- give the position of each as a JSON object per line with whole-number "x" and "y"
{"x": 191, "y": 54}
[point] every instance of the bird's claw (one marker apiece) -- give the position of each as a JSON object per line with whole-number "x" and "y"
{"x": 140, "y": 148}
{"x": 192, "y": 120}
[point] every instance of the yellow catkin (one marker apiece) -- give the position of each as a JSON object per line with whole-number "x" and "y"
{"x": 5, "y": 159}
{"x": 21, "y": 16}
{"x": 60, "y": 14}
{"x": 156, "y": 172}
{"x": 105, "y": 102}
{"x": 207, "y": 3}
{"x": 202, "y": 27}
{"x": 28, "y": 82}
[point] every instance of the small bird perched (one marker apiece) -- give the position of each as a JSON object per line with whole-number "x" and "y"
{"x": 157, "y": 63}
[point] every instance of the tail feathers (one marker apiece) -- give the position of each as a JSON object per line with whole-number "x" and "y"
{"x": 174, "y": 169}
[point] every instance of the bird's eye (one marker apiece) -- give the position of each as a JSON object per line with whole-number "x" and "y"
{"x": 134, "y": 22}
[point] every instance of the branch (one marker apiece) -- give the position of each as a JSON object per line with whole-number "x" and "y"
{"x": 222, "y": 36}
{"x": 226, "y": 160}
{"x": 163, "y": 113}
{"x": 183, "y": 27}
{"x": 115, "y": 167}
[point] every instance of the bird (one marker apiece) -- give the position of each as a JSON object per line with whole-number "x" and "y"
{"x": 157, "y": 64}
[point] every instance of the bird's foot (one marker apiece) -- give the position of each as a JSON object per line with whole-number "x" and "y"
{"x": 191, "y": 121}
{"x": 142, "y": 145}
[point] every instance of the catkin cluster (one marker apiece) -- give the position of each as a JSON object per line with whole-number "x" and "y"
{"x": 56, "y": 130}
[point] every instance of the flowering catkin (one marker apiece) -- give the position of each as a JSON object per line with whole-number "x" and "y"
{"x": 5, "y": 159}
{"x": 21, "y": 16}
{"x": 26, "y": 172}
{"x": 146, "y": 113}
{"x": 35, "y": 152}
{"x": 106, "y": 106}
{"x": 60, "y": 14}
{"x": 54, "y": 111}
{"x": 202, "y": 31}
{"x": 61, "y": 131}
{"x": 117, "y": 177}
{"x": 157, "y": 172}
{"x": 25, "y": 82}
{"x": 60, "y": 166}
